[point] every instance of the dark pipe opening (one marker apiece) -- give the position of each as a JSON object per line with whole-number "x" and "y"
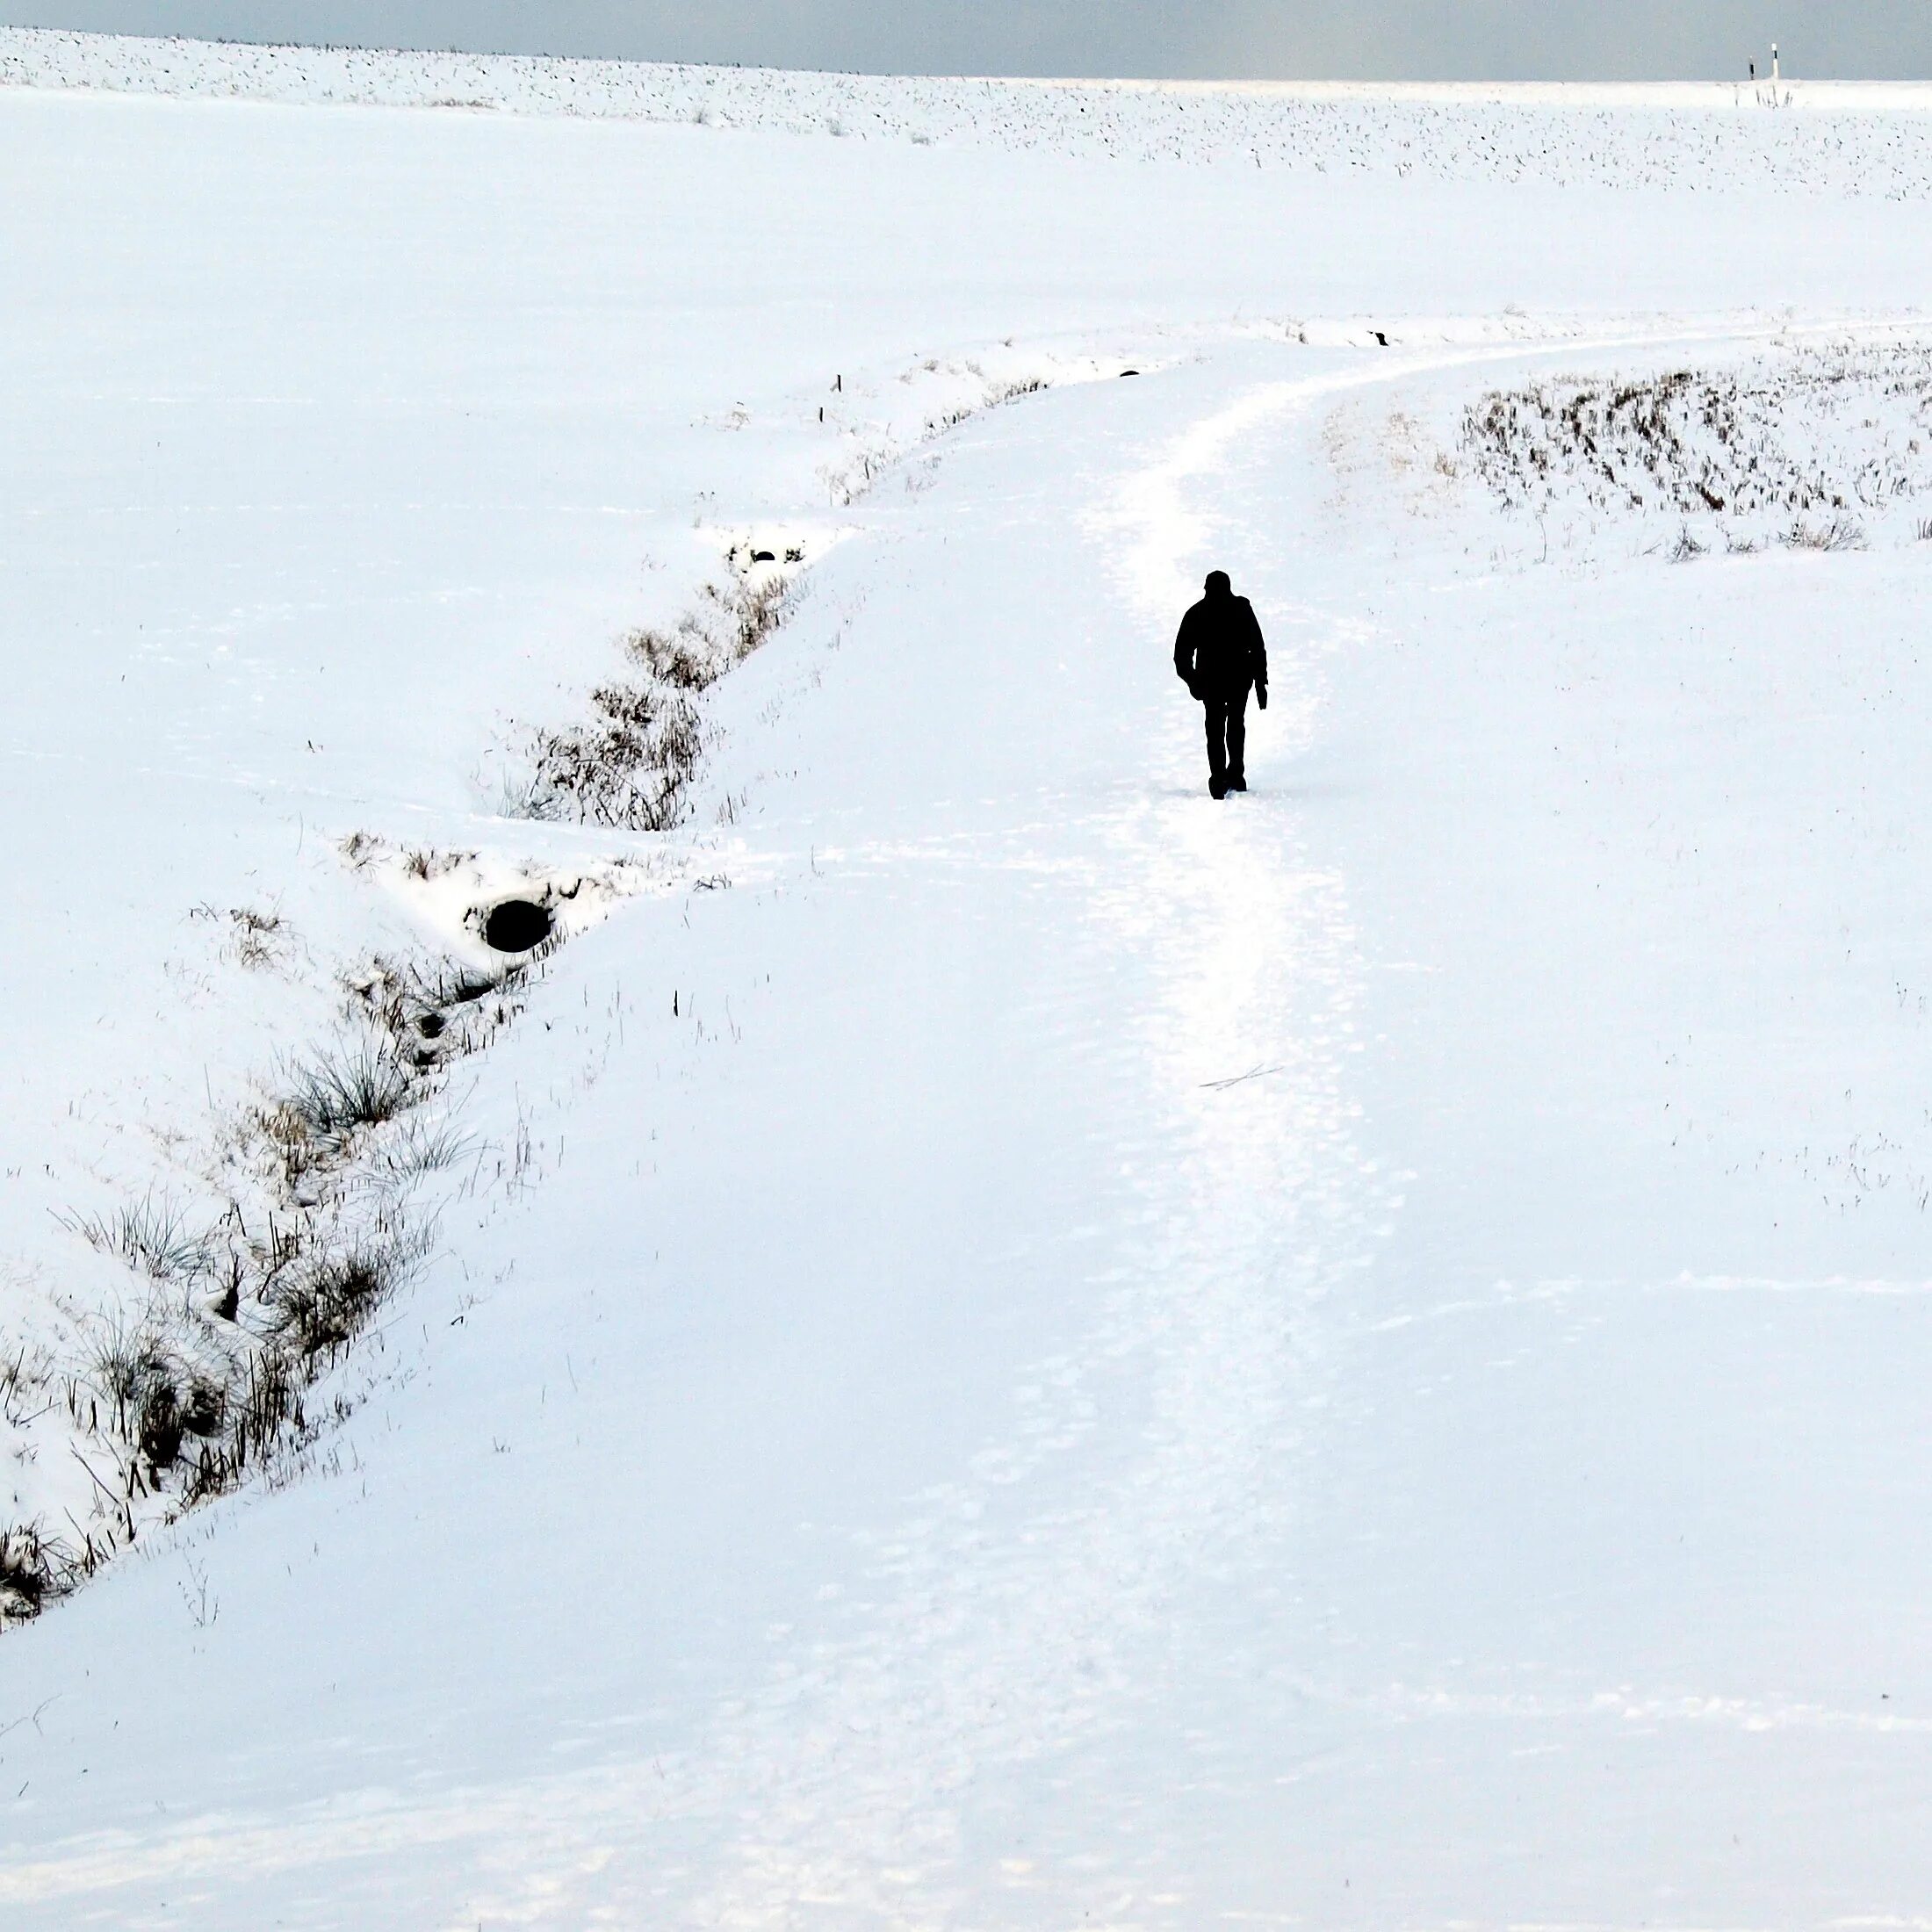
{"x": 516, "y": 925}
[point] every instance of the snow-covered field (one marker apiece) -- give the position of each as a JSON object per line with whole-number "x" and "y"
{"x": 984, "y": 1341}
{"x": 1851, "y": 138}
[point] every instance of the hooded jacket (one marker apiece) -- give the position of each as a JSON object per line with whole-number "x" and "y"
{"x": 1219, "y": 651}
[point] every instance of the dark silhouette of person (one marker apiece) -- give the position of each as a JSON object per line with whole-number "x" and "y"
{"x": 1218, "y": 654}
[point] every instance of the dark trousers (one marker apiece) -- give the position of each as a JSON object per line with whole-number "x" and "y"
{"x": 1227, "y": 733}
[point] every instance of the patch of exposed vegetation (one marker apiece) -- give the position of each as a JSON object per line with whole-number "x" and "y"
{"x": 253, "y": 938}
{"x": 207, "y": 1375}
{"x": 632, "y": 762}
{"x": 1802, "y": 450}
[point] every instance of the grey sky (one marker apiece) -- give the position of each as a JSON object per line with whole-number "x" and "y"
{"x": 1421, "y": 40}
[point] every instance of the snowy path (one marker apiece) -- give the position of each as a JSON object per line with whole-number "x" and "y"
{"x": 1166, "y": 1375}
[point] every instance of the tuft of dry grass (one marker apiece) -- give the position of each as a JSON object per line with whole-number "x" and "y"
{"x": 148, "y": 1235}
{"x": 1837, "y": 533}
{"x": 998, "y": 393}
{"x": 31, "y": 1568}
{"x": 325, "y": 1309}
{"x": 362, "y": 1085}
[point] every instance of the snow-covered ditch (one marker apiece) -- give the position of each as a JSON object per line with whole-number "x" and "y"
{"x": 194, "y": 1364}
{"x": 210, "y": 1353}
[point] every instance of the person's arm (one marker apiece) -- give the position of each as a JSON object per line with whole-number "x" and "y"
{"x": 1184, "y": 653}
{"x": 1258, "y": 650}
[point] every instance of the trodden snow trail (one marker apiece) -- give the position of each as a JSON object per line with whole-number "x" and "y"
{"x": 950, "y": 1750}
{"x": 1040, "y": 1622}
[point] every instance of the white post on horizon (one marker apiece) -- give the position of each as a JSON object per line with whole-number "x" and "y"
{"x": 1774, "y": 63}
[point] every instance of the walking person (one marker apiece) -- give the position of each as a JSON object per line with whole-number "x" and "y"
{"x": 1219, "y": 655}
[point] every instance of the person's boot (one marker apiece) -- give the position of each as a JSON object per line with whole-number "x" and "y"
{"x": 1217, "y": 787}
{"x": 1237, "y": 781}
